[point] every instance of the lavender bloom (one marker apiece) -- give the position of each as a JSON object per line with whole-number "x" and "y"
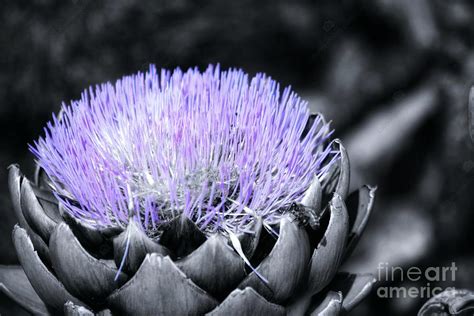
{"x": 219, "y": 147}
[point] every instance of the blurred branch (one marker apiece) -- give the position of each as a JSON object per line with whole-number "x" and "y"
{"x": 375, "y": 142}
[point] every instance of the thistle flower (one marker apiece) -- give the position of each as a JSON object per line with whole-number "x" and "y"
{"x": 210, "y": 146}
{"x": 186, "y": 193}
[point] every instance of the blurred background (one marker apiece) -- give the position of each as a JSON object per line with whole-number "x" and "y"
{"x": 393, "y": 76}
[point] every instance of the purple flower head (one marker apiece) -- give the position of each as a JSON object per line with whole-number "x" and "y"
{"x": 218, "y": 147}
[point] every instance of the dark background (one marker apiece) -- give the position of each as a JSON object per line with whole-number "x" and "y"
{"x": 394, "y": 77}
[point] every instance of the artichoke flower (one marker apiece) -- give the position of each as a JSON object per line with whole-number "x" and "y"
{"x": 187, "y": 193}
